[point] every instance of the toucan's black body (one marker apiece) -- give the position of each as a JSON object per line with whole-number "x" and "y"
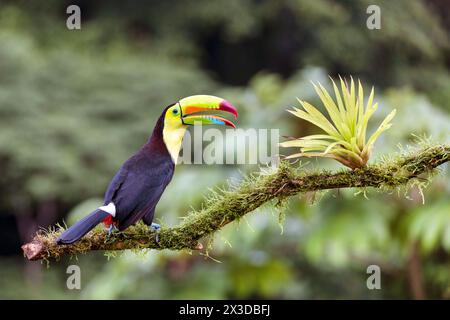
{"x": 135, "y": 189}
{"x": 138, "y": 185}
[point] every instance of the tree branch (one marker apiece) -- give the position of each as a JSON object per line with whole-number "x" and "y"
{"x": 226, "y": 206}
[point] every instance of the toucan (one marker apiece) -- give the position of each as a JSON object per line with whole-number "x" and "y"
{"x": 136, "y": 188}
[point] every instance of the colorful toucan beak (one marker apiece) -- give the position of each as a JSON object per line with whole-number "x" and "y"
{"x": 194, "y": 108}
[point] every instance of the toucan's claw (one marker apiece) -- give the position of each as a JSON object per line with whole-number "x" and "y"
{"x": 155, "y": 228}
{"x": 111, "y": 229}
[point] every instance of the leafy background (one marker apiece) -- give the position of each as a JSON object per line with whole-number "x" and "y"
{"x": 75, "y": 104}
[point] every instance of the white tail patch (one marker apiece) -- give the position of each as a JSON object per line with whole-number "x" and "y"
{"x": 110, "y": 208}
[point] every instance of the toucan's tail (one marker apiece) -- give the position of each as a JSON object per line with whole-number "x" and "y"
{"x": 82, "y": 227}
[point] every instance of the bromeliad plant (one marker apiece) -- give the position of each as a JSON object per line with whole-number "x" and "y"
{"x": 345, "y": 132}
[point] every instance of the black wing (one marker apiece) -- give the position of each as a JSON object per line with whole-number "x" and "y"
{"x": 138, "y": 186}
{"x": 116, "y": 183}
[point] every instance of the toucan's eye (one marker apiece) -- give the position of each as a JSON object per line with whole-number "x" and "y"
{"x": 175, "y": 111}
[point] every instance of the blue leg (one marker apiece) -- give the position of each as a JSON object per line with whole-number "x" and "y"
{"x": 155, "y": 227}
{"x": 111, "y": 229}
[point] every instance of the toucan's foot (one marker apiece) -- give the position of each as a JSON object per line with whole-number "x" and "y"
{"x": 155, "y": 227}
{"x": 111, "y": 229}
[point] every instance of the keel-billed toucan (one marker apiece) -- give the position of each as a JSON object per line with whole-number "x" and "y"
{"x": 137, "y": 187}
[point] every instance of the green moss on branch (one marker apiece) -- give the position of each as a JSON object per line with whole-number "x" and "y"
{"x": 226, "y": 206}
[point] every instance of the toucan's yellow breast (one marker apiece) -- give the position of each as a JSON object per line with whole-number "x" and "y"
{"x": 173, "y": 134}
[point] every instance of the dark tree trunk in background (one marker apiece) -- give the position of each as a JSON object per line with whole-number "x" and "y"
{"x": 415, "y": 274}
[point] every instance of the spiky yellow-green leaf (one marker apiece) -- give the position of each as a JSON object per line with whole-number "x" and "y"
{"x": 345, "y": 129}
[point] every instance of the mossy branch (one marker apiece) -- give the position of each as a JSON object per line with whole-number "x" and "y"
{"x": 226, "y": 206}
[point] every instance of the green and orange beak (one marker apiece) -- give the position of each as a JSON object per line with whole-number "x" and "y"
{"x": 196, "y": 109}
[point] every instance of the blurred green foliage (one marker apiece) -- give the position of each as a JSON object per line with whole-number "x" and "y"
{"x": 75, "y": 104}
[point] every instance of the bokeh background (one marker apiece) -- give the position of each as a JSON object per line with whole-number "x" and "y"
{"x": 75, "y": 104}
